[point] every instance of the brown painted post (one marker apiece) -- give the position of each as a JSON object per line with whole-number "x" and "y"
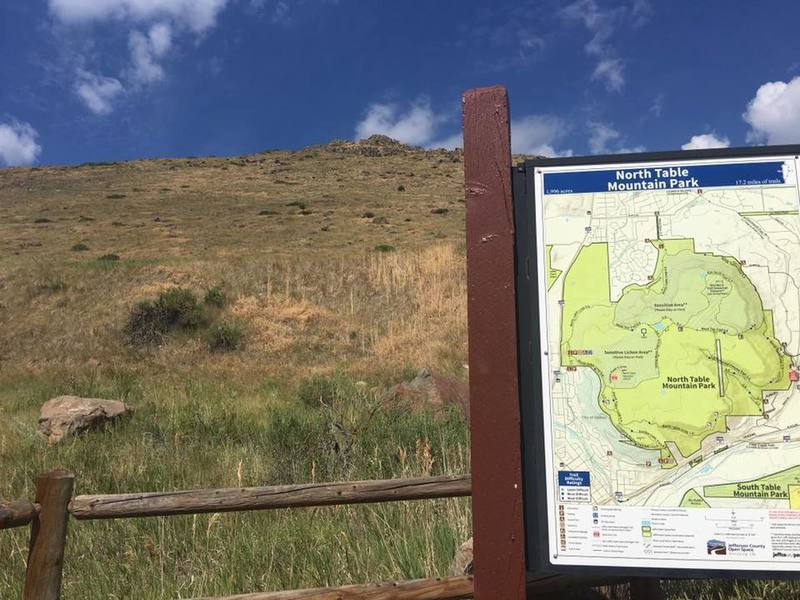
{"x": 497, "y": 516}
{"x": 48, "y": 536}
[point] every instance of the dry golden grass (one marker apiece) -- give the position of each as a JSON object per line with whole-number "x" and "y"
{"x": 304, "y": 278}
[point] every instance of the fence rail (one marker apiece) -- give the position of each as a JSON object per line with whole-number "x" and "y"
{"x": 49, "y": 514}
{"x": 152, "y": 504}
{"x": 451, "y": 588}
{"x": 17, "y": 513}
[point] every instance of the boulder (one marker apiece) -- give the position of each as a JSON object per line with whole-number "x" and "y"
{"x": 72, "y": 415}
{"x": 462, "y": 563}
{"x": 429, "y": 389}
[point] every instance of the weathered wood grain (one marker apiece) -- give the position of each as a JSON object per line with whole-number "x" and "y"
{"x": 48, "y": 536}
{"x": 450, "y": 588}
{"x": 497, "y": 508}
{"x": 151, "y": 504}
{"x": 17, "y": 513}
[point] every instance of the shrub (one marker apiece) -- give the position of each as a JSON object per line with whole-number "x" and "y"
{"x": 384, "y": 248}
{"x": 297, "y": 203}
{"x": 52, "y": 286}
{"x": 175, "y": 309}
{"x": 179, "y": 309}
{"x": 215, "y": 296}
{"x": 115, "y": 196}
{"x": 439, "y": 211}
{"x": 109, "y": 258}
{"x": 368, "y": 215}
{"x": 144, "y": 324}
{"x": 80, "y": 247}
{"x": 42, "y": 220}
{"x": 225, "y": 337}
{"x": 401, "y": 188}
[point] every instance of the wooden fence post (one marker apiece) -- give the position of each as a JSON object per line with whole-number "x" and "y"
{"x": 48, "y": 536}
{"x": 497, "y": 517}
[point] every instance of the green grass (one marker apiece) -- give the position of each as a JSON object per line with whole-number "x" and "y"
{"x": 202, "y": 433}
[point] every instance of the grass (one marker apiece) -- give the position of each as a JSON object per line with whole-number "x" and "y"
{"x": 206, "y": 433}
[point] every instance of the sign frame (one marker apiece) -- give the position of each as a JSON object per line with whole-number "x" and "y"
{"x": 538, "y": 563}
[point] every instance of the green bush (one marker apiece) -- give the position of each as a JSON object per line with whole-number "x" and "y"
{"x": 175, "y": 309}
{"x": 80, "y": 247}
{"x": 215, "y": 296}
{"x": 384, "y": 248}
{"x": 109, "y": 258}
{"x": 51, "y": 285}
{"x": 225, "y": 337}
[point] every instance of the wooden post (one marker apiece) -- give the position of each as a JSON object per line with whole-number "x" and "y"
{"x": 48, "y": 536}
{"x": 497, "y": 509}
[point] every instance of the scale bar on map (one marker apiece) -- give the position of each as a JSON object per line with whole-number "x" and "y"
{"x": 719, "y": 368}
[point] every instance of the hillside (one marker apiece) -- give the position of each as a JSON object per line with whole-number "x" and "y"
{"x": 251, "y": 311}
{"x": 295, "y": 239}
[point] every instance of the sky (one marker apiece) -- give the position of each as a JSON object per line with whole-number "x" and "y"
{"x": 107, "y": 80}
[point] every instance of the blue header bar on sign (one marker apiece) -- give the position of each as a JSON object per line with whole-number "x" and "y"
{"x": 665, "y": 178}
{"x": 574, "y": 478}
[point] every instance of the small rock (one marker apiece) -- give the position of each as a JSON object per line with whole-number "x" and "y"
{"x": 72, "y": 415}
{"x": 430, "y": 389}
{"x": 462, "y": 563}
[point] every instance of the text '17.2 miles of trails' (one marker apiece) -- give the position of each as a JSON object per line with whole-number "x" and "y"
{"x": 670, "y": 341}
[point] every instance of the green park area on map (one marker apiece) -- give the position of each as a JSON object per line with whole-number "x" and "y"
{"x": 675, "y": 356}
{"x": 776, "y": 486}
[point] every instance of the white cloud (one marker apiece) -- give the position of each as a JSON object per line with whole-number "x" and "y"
{"x": 97, "y": 92}
{"x": 277, "y": 11}
{"x": 537, "y": 134}
{"x": 774, "y": 113}
{"x": 18, "y": 145}
{"x": 419, "y": 125}
{"x": 641, "y": 12}
{"x": 197, "y": 15}
{"x": 605, "y": 139}
{"x": 609, "y": 71}
{"x": 416, "y": 126}
{"x": 706, "y": 140}
{"x": 449, "y": 143}
{"x": 152, "y": 26}
{"x": 146, "y": 50}
{"x": 602, "y": 23}
{"x": 658, "y": 105}
{"x": 600, "y": 134}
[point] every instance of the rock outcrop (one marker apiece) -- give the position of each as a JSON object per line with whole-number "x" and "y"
{"x": 462, "y": 563}
{"x": 430, "y": 390}
{"x": 72, "y": 415}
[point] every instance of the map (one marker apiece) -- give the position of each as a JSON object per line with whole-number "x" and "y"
{"x": 670, "y": 319}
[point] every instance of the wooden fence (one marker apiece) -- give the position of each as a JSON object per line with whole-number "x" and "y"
{"x": 54, "y": 504}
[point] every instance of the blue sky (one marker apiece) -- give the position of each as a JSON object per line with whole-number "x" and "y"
{"x": 98, "y": 80}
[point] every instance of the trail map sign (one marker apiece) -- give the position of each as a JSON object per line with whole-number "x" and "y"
{"x": 659, "y": 295}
